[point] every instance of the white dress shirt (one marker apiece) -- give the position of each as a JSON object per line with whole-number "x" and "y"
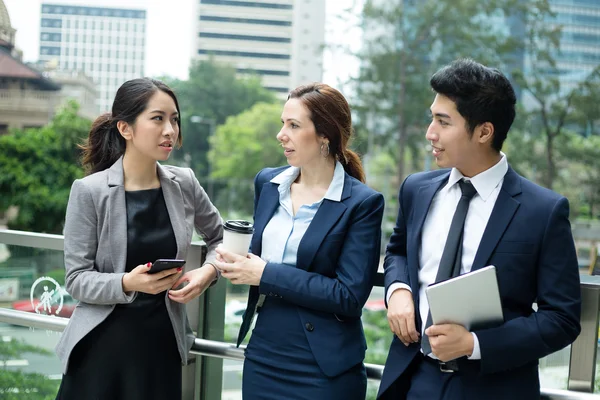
{"x": 282, "y": 235}
{"x": 437, "y": 225}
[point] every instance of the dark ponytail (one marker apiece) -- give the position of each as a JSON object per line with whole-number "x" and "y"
{"x": 105, "y": 144}
{"x": 330, "y": 113}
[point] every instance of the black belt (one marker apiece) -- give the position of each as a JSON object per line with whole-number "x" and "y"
{"x": 446, "y": 367}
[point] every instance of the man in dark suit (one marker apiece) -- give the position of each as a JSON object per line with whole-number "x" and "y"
{"x": 476, "y": 212}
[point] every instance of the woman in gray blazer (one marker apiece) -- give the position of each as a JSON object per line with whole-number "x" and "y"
{"x": 129, "y": 334}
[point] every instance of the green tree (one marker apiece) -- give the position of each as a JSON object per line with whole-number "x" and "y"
{"x": 405, "y": 42}
{"x": 240, "y": 148}
{"x": 584, "y": 156}
{"x": 212, "y": 92}
{"x": 38, "y": 167}
{"x": 552, "y": 109}
{"x": 16, "y": 385}
{"x": 246, "y": 143}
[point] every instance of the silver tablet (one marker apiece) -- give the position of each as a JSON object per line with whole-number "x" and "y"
{"x": 471, "y": 300}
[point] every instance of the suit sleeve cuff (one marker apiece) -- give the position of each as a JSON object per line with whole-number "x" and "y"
{"x": 476, "y": 350}
{"x": 393, "y": 287}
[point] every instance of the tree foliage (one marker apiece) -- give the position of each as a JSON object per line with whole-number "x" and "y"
{"x": 212, "y": 92}
{"x": 584, "y": 155}
{"x": 240, "y": 148}
{"x": 246, "y": 143}
{"x": 405, "y": 42}
{"x": 38, "y": 167}
{"x": 15, "y": 384}
{"x": 552, "y": 108}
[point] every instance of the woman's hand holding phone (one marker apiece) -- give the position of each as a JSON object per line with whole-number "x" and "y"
{"x": 198, "y": 280}
{"x": 140, "y": 279}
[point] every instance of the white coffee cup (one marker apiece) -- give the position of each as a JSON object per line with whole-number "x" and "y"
{"x": 237, "y": 235}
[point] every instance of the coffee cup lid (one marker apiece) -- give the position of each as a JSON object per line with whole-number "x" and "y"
{"x": 239, "y": 226}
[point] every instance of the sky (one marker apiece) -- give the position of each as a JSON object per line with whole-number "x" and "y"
{"x": 170, "y": 27}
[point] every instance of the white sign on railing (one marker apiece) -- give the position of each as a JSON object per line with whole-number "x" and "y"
{"x": 46, "y": 296}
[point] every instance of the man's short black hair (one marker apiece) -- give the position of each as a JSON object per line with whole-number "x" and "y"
{"x": 481, "y": 95}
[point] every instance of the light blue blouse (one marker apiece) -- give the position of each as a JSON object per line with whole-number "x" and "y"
{"x": 283, "y": 233}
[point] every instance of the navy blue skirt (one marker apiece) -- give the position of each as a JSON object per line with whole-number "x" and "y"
{"x": 280, "y": 364}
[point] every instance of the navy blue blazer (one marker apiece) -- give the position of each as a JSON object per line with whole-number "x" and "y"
{"x": 528, "y": 238}
{"x": 337, "y": 261}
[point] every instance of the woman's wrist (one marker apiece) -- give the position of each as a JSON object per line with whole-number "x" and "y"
{"x": 214, "y": 270}
{"x": 125, "y": 284}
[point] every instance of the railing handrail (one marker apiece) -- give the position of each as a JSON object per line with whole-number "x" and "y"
{"x": 46, "y": 241}
{"x": 212, "y": 348}
{"x": 581, "y": 374}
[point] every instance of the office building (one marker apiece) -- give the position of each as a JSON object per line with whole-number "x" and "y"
{"x": 580, "y": 39}
{"x": 107, "y": 44}
{"x": 279, "y": 40}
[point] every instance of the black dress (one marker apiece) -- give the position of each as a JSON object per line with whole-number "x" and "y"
{"x": 133, "y": 354}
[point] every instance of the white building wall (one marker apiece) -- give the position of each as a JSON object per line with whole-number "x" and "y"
{"x": 107, "y": 44}
{"x": 280, "y": 40}
{"x": 308, "y": 39}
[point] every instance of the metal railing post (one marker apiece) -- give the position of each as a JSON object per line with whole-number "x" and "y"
{"x": 207, "y": 317}
{"x": 582, "y": 365}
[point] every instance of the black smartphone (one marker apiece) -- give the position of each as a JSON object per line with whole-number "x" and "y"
{"x": 161, "y": 264}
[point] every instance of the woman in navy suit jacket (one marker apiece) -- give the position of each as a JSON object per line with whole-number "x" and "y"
{"x": 314, "y": 255}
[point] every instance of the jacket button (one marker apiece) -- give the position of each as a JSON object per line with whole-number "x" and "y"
{"x": 309, "y": 327}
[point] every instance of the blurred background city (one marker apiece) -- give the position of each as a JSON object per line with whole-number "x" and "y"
{"x": 232, "y": 63}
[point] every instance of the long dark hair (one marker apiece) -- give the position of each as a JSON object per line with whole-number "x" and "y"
{"x": 105, "y": 144}
{"x": 330, "y": 113}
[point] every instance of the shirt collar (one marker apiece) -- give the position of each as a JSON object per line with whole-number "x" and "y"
{"x": 486, "y": 181}
{"x": 334, "y": 192}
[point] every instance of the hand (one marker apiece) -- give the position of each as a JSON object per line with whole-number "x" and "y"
{"x": 240, "y": 270}
{"x": 198, "y": 280}
{"x": 450, "y": 341}
{"x": 401, "y": 316}
{"x": 139, "y": 280}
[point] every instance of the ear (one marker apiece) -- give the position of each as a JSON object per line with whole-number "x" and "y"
{"x": 485, "y": 133}
{"x": 125, "y": 130}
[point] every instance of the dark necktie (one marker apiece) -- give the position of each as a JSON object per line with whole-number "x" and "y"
{"x": 451, "y": 261}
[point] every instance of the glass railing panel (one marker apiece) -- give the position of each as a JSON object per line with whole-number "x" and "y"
{"x": 554, "y": 369}
{"x": 232, "y": 380}
{"x": 377, "y": 333}
{"x": 235, "y": 305}
{"x": 31, "y": 280}
{"x": 29, "y": 368}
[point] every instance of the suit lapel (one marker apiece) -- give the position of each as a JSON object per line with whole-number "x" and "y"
{"x": 327, "y": 215}
{"x": 423, "y": 201}
{"x": 174, "y": 202}
{"x": 267, "y": 204}
{"x": 504, "y": 210}
{"x": 117, "y": 216}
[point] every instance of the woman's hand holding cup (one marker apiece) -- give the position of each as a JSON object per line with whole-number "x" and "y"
{"x": 238, "y": 269}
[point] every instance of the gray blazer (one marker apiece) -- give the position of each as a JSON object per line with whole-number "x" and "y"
{"x": 96, "y": 247}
